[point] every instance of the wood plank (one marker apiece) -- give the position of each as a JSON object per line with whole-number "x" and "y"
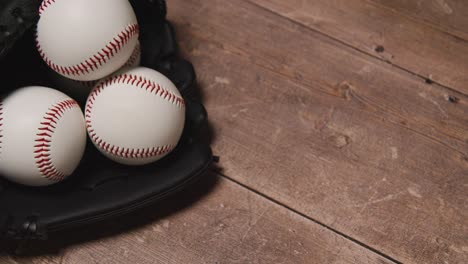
{"x": 447, "y": 15}
{"x": 362, "y": 147}
{"x": 229, "y": 224}
{"x": 319, "y": 63}
{"x": 380, "y": 32}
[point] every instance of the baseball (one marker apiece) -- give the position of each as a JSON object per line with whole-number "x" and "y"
{"x": 135, "y": 117}
{"x": 79, "y": 90}
{"x": 43, "y": 136}
{"x": 86, "y": 40}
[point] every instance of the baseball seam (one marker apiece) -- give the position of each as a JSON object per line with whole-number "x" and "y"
{"x": 44, "y": 5}
{"x": 97, "y": 60}
{"x": 130, "y": 62}
{"x": 42, "y": 147}
{"x": 137, "y": 82}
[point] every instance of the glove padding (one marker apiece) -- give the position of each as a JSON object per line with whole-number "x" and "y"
{"x": 16, "y": 16}
{"x": 99, "y": 189}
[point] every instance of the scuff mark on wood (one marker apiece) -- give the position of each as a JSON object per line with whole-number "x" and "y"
{"x": 414, "y": 192}
{"x": 434, "y": 102}
{"x": 444, "y": 7}
{"x": 340, "y": 140}
{"x": 394, "y": 151}
{"x": 344, "y": 90}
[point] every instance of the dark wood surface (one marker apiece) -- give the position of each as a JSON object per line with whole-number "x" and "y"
{"x": 342, "y": 128}
{"x": 446, "y": 15}
{"x": 402, "y": 41}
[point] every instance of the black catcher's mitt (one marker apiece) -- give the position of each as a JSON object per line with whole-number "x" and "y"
{"x": 99, "y": 189}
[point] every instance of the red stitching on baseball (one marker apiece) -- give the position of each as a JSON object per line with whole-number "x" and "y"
{"x": 45, "y": 4}
{"x": 42, "y": 146}
{"x": 139, "y": 82}
{"x": 97, "y": 60}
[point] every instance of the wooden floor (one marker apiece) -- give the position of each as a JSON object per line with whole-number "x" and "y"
{"x": 342, "y": 127}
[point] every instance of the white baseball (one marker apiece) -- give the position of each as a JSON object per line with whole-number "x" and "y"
{"x": 86, "y": 40}
{"x": 79, "y": 90}
{"x": 135, "y": 117}
{"x": 42, "y": 134}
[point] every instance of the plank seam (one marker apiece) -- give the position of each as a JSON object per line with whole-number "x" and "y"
{"x": 444, "y": 30}
{"x": 422, "y": 77}
{"x": 331, "y": 229}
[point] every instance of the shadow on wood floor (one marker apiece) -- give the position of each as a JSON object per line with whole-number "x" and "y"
{"x": 61, "y": 240}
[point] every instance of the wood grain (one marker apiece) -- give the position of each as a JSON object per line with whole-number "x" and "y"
{"x": 320, "y": 108}
{"x": 380, "y": 32}
{"x": 229, "y": 225}
{"x": 446, "y": 15}
{"x": 318, "y": 63}
{"x": 346, "y": 139}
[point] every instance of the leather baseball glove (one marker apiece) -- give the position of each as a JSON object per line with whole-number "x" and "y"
{"x": 99, "y": 189}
